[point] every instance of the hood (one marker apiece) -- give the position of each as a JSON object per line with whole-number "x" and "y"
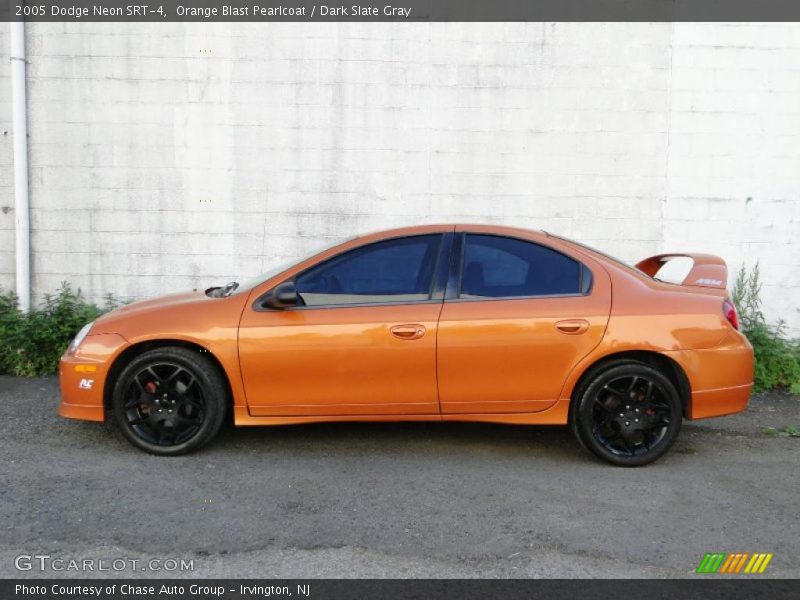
{"x": 143, "y": 306}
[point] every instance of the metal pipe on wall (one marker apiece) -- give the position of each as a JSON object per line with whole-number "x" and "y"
{"x": 20, "y": 151}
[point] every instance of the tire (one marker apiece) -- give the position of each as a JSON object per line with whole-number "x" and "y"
{"x": 170, "y": 401}
{"x": 628, "y": 414}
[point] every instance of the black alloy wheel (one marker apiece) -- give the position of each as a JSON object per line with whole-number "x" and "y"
{"x": 169, "y": 401}
{"x": 629, "y": 414}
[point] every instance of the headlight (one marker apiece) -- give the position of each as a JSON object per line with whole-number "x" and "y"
{"x": 73, "y": 347}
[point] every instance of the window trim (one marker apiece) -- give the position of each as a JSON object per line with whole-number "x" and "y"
{"x": 435, "y": 296}
{"x": 461, "y": 243}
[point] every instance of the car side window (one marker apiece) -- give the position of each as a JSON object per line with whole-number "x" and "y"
{"x": 396, "y": 270}
{"x": 501, "y": 267}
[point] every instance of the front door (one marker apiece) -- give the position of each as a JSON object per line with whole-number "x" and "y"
{"x": 520, "y": 318}
{"x": 362, "y": 342}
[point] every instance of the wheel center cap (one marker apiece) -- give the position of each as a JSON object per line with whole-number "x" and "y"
{"x": 630, "y": 418}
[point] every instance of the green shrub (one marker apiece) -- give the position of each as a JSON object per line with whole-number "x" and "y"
{"x": 777, "y": 357}
{"x": 32, "y": 343}
{"x": 10, "y": 323}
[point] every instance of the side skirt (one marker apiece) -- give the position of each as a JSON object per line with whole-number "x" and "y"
{"x": 558, "y": 414}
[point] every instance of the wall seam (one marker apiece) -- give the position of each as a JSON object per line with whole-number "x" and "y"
{"x": 668, "y": 149}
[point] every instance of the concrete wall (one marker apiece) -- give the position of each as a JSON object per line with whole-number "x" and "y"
{"x": 6, "y": 166}
{"x": 165, "y": 157}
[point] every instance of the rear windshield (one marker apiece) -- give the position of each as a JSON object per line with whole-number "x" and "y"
{"x": 600, "y": 253}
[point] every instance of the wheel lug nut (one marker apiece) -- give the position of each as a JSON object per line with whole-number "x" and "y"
{"x": 637, "y": 420}
{"x": 170, "y": 412}
{"x": 621, "y": 415}
{"x": 627, "y": 422}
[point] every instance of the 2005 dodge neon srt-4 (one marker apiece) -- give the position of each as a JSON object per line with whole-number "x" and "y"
{"x": 433, "y": 323}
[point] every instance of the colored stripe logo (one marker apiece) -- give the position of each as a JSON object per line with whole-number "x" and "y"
{"x": 738, "y": 562}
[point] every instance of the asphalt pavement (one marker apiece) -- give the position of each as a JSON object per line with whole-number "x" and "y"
{"x": 392, "y": 500}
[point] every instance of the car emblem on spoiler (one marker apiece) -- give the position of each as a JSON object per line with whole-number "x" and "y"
{"x": 705, "y": 281}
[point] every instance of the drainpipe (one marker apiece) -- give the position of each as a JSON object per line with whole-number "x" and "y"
{"x": 20, "y": 135}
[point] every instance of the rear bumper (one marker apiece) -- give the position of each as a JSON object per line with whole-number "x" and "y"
{"x": 720, "y": 402}
{"x": 720, "y": 378}
{"x": 82, "y": 377}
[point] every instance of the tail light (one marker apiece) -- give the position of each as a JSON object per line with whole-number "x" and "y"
{"x": 729, "y": 310}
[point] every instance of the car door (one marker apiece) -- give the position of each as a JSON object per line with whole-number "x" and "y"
{"x": 363, "y": 340}
{"x": 518, "y": 316}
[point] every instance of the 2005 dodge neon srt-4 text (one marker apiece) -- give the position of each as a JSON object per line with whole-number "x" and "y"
{"x": 433, "y": 323}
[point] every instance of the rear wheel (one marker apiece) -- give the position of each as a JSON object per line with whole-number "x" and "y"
{"x": 169, "y": 401}
{"x": 628, "y": 414}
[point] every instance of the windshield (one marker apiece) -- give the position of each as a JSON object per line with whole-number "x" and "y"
{"x": 249, "y": 284}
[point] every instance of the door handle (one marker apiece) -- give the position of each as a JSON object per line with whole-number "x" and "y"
{"x": 572, "y": 326}
{"x": 408, "y": 332}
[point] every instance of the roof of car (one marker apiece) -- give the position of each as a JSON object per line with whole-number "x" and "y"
{"x": 483, "y": 227}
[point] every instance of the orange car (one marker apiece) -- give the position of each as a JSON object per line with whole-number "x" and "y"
{"x": 434, "y": 323}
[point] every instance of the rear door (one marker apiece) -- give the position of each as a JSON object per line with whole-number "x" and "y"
{"x": 518, "y": 316}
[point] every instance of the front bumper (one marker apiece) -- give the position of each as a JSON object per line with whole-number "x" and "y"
{"x": 82, "y": 376}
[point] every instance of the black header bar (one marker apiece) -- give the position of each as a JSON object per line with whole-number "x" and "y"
{"x": 398, "y": 10}
{"x": 703, "y": 587}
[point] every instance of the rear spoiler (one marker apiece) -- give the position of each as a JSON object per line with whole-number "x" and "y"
{"x": 708, "y": 270}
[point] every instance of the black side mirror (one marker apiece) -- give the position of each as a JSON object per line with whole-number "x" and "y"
{"x": 281, "y": 296}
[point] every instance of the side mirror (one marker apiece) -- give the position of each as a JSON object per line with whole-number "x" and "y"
{"x": 281, "y": 296}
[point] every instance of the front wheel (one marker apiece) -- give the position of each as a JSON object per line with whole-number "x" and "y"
{"x": 169, "y": 401}
{"x": 628, "y": 414}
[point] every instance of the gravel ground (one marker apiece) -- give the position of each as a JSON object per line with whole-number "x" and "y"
{"x": 395, "y": 500}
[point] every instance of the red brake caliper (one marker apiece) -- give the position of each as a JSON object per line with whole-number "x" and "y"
{"x": 649, "y": 411}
